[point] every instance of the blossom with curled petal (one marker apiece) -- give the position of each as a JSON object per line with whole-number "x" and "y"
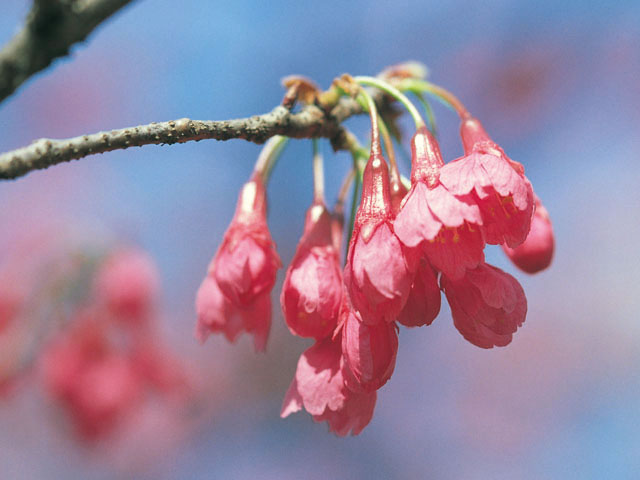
{"x": 536, "y": 252}
{"x": 487, "y": 305}
{"x": 369, "y": 352}
{"x": 445, "y": 226}
{"x": 312, "y": 289}
{"x": 246, "y": 263}
{"x": 379, "y": 267}
{"x": 217, "y": 314}
{"x": 497, "y": 184}
{"x": 318, "y": 387}
{"x": 355, "y": 414}
{"x": 423, "y": 303}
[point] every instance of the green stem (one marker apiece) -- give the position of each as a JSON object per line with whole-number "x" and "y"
{"x": 386, "y": 137}
{"x": 395, "y": 93}
{"x": 429, "y": 111}
{"x": 437, "y": 91}
{"x": 269, "y": 155}
{"x": 376, "y": 149}
{"x": 318, "y": 174}
{"x": 388, "y": 145}
{"x": 344, "y": 189}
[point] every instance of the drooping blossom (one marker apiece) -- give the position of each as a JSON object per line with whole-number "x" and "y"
{"x": 235, "y": 294}
{"x": 423, "y": 303}
{"x": 487, "y": 305}
{"x": 127, "y": 284}
{"x": 379, "y": 267}
{"x": 312, "y": 289}
{"x": 63, "y": 361}
{"x": 318, "y": 387}
{"x": 355, "y": 414}
{"x": 496, "y": 182}
{"x": 536, "y": 252}
{"x": 246, "y": 263}
{"x": 445, "y": 226}
{"x": 101, "y": 372}
{"x": 105, "y": 393}
{"x": 96, "y": 383}
{"x": 217, "y": 314}
{"x": 369, "y": 352}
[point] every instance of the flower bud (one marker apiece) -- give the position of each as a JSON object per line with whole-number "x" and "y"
{"x": 379, "y": 268}
{"x": 487, "y": 305}
{"x": 369, "y": 352}
{"x": 246, "y": 263}
{"x": 536, "y": 252}
{"x": 423, "y": 303}
{"x": 312, "y": 289}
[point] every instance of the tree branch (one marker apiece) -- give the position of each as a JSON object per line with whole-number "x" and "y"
{"x": 51, "y": 28}
{"x": 310, "y": 122}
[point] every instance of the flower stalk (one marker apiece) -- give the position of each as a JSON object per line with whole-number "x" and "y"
{"x": 442, "y": 94}
{"x": 318, "y": 175}
{"x": 395, "y": 93}
{"x": 269, "y": 156}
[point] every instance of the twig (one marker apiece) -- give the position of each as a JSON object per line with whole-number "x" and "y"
{"x": 310, "y": 122}
{"x": 51, "y": 28}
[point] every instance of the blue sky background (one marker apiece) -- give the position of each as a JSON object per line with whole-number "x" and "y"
{"x": 555, "y": 83}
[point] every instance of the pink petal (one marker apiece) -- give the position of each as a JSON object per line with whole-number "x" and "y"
{"x": 292, "y": 400}
{"x": 456, "y": 250}
{"x": 423, "y": 303}
{"x": 415, "y": 222}
{"x": 319, "y": 379}
{"x": 369, "y": 352}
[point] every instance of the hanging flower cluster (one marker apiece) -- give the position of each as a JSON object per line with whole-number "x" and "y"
{"x": 97, "y": 355}
{"x": 103, "y": 368}
{"x": 408, "y": 243}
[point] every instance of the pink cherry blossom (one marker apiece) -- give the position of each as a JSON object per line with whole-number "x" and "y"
{"x": 127, "y": 284}
{"x": 497, "y": 184}
{"x": 445, "y": 226}
{"x": 378, "y": 272}
{"x": 487, "y": 305}
{"x": 312, "y": 289}
{"x": 423, "y": 303}
{"x": 369, "y": 352}
{"x": 95, "y": 382}
{"x": 104, "y": 393}
{"x": 65, "y": 360}
{"x": 246, "y": 262}
{"x": 217, "y": 314}
{"x": 354, "y": 416}
{"x": 536, "y": 252}
{"x": 318, "y": 387}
